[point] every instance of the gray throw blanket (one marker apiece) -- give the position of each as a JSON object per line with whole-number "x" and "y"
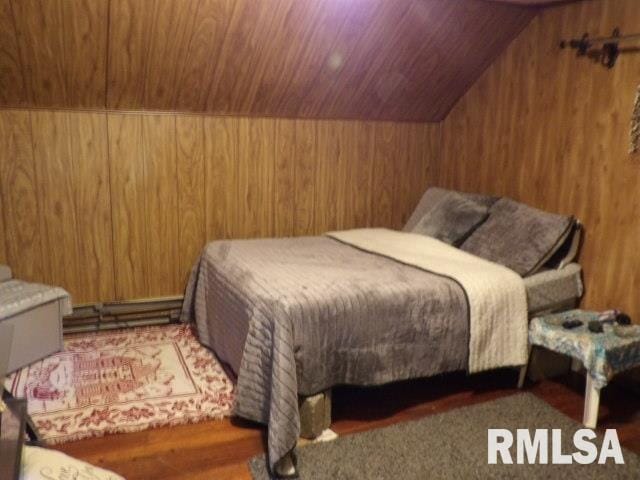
{"x": 317, "y": 313}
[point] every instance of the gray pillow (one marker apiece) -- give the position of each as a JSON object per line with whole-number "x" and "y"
{"x": 452, "y": 218}
{"x": 433, "y": 196}
{"x": 519, "y": 237}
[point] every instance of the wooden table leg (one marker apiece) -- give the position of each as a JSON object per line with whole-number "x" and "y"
{"x": 591, "y": 404}
{"x": 523, "y": 369}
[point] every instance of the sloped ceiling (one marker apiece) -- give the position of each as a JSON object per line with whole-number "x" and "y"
{"x": 535, "y": 2}
{"x": 370, "y": 59}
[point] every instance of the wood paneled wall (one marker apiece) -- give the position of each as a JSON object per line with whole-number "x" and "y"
{"x": 358, "y": 59}
{"x": 117, "y": 206}
{"x": 552, "y": 130}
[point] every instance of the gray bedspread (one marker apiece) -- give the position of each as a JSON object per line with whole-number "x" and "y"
{"x": 317, "y": 313}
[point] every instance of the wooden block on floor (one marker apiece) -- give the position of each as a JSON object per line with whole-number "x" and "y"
{"x": 315, "y": 414}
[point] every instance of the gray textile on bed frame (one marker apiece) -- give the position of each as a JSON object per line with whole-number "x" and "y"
{"x": 547, "y": 291}
{"x": 452, "y": 219}
{"x": 519, "y": 237}
{"x": 434, "y": 195}
{"x": 295, "y": 316}
{"x": 501, "y": 230}
{"x": 251, "y": 299}
{"x": 316, "y": 313}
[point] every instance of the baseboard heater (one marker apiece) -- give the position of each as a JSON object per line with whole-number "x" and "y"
{"x": 125, "y": 314}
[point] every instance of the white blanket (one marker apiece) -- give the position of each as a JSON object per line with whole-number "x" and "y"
{"x": 17, "y": 296}
{"x": 43, "y": 464}
{"x": 497, "y": 297}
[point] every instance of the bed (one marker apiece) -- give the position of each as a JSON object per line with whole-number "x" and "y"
{"x": 295, "y": 316}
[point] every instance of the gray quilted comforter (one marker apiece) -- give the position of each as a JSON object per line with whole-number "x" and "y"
{"x": 317, "y": 313}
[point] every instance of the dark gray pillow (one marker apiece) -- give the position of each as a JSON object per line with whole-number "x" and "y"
{"x": 452, "y": 218}
{"x": 433, "y": 196}
{"x": 519, "y": 237}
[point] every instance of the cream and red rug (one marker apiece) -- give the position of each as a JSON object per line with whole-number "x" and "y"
{"x": 123, "y": 381}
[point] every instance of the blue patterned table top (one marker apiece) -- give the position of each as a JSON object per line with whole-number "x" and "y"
{"x": 602, "y": 354}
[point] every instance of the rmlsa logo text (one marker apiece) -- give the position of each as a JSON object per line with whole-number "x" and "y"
{"x": 544, "y": 449}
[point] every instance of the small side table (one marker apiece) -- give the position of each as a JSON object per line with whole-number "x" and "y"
{"x": 602, "y": 354}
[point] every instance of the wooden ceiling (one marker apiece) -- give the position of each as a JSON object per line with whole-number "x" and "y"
{"x": 373, "y": 59}
{"x": 535, "y": 2}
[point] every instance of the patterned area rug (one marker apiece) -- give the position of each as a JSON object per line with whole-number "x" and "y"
{"x": 123, "y": 381}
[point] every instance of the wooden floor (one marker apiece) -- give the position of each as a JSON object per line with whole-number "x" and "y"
{"x": 220, "y": 449}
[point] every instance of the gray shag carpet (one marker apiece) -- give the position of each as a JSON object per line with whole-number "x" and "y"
{"x": 452, "y": 445}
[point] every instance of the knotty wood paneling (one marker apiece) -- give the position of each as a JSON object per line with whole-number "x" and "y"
{"x": 386, "y": 167}
{"x": 3, "y": 248}
{"x": 91, "y": 189}
{"x": 330, "y": 174}
{"x": 127, "y": 200}
{"x": 161, "y": 204}
{"x": 19, "y": 189}
{"x": 12, "y": 85}
{"x": 63, "y": 46}
{"x": 534, "y": 2}
{"x": 256, "y": 171}
{"x": 357, "y": 59}
{"x": 70, "y": 152}
{"x": 423, "y": 142}
{"x": 359, "y": 178}
{"x": 85, "y": 51}
{"x": 144, "y": 189}
{"x": 284, "y": 187}
{"x": 130, "y": 234}
{"x": 54, "y": 167}
{"x": 200, "y": 60}
{"x": 360, "y": 59}
{"x": 552, "y": 130}
{"x": 221, "y": 174}
{"x": 191, "y": 191}
{"x": 304, "y": 167}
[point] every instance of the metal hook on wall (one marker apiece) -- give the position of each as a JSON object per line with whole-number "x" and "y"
{"x": 604, "y": 50}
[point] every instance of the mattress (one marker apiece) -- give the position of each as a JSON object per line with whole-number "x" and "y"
{"x": 554, "y": 289}
{"x": 296, "y": 316}
{"x": 547, "y": 291}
